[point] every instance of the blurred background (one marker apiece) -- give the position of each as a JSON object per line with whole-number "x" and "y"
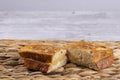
{"x": 60, "y": 19}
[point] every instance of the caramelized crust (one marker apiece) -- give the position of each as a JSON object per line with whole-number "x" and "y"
{"x": 41, "y": 49}
{"x": 43, "y": 53}
{"x": 104, "y": 63}
{"x": 36, "y": 65}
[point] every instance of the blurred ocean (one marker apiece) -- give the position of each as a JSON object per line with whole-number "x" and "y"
{"x": 63, "y": 25}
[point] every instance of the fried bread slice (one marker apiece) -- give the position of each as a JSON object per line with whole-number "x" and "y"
{"x": 44, "y": 57}
{"x": 90, "y": 54}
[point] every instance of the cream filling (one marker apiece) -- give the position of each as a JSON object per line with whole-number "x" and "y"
{"x": 58, "y": 56}
{"x": 59, "y": 59}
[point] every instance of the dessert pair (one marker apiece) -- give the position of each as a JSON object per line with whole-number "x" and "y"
{"x": 47, "y": 58}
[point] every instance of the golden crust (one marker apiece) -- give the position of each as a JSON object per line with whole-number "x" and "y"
{"x": 86, "y": 45}
{"x": 104, "y": 63}
{"x": 90, "y": 54}
{"x": 42, "y": 53}
{"x": 36, "y": 65}
{"x": 41, "y": 49}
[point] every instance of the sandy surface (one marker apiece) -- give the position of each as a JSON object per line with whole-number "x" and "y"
{"x": 12, "y": 66}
